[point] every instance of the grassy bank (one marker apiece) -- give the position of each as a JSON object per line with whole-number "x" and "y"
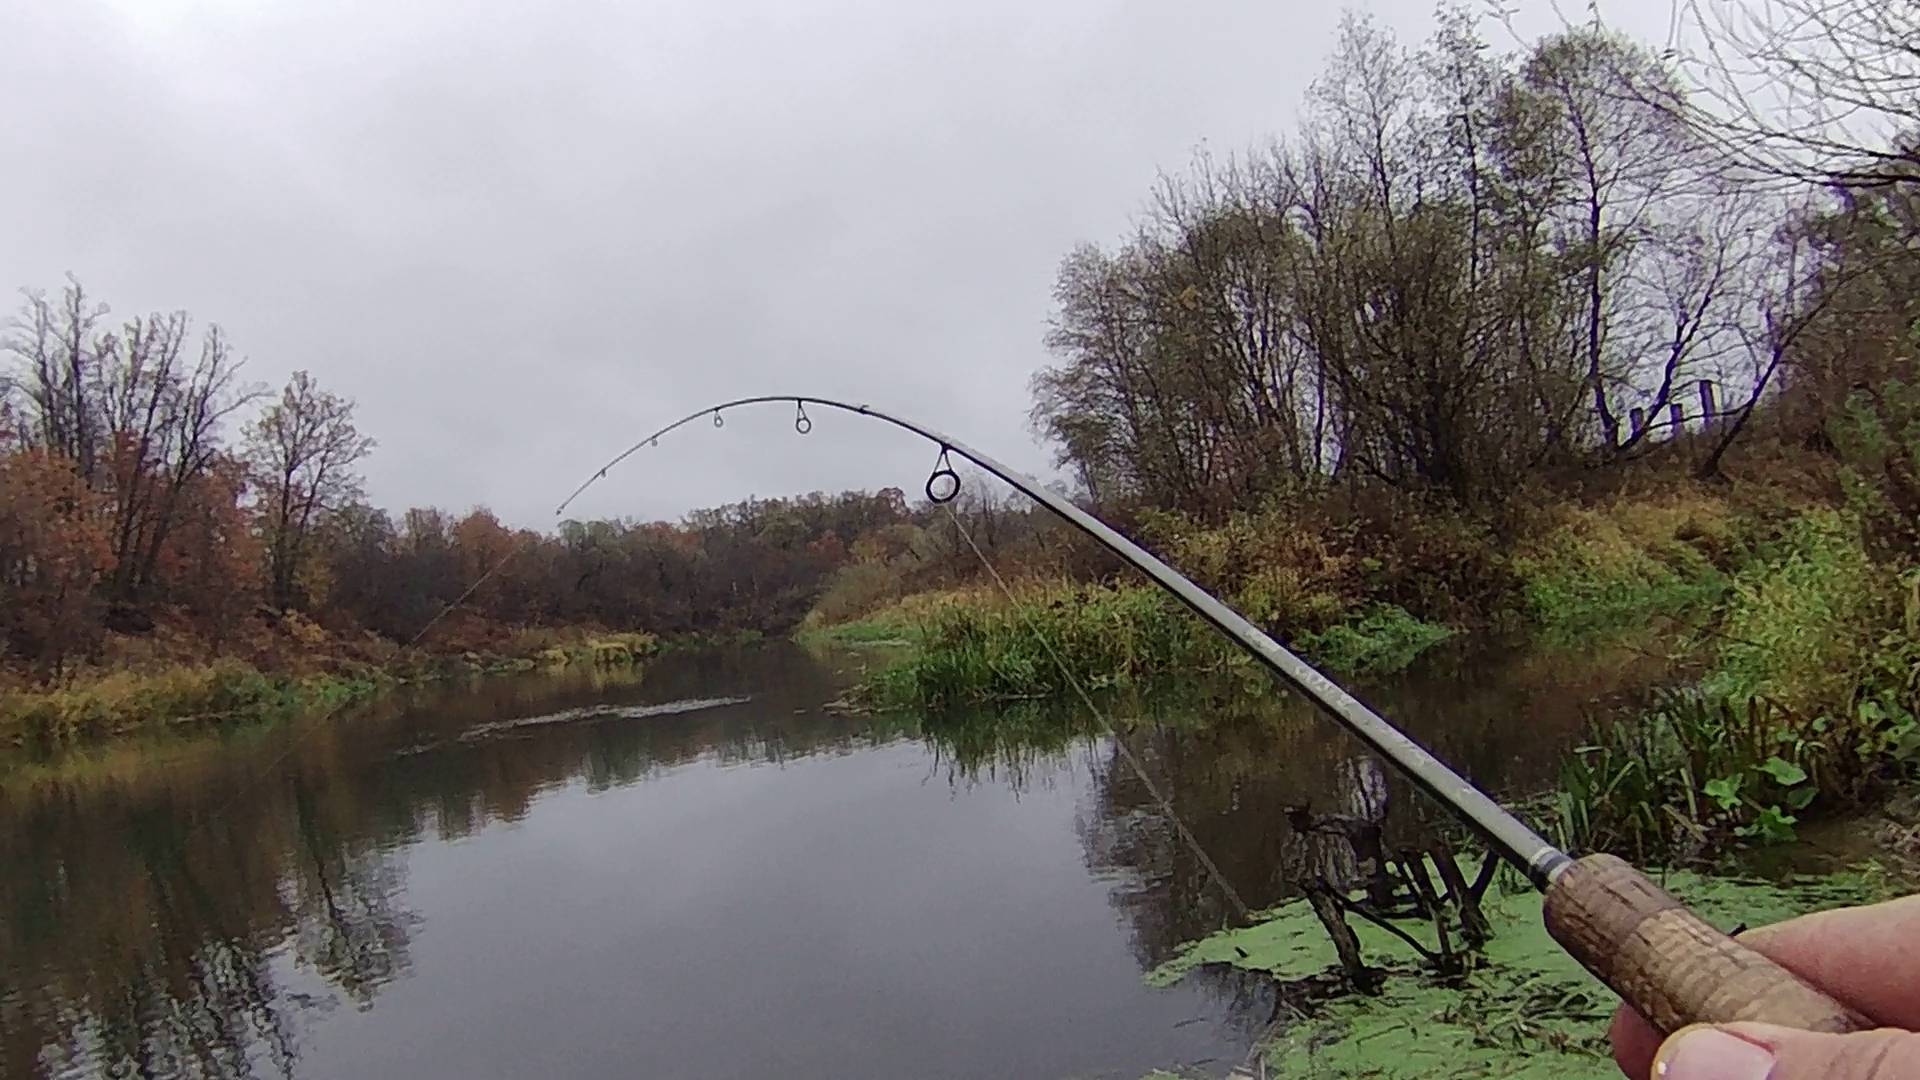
{"x": 897, "y": 622}
{"x": 221, "y": 693}
{"x": 976, "y": 647}
{"x": 1358, "y": 590}
{"x": 231, "y": 692}
{"x": 1592, "y": 572}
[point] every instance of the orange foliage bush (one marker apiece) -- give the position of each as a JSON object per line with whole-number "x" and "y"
{"x": 54, "y": 549}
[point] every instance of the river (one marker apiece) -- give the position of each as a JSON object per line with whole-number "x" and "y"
{"x": 696, "y": 871}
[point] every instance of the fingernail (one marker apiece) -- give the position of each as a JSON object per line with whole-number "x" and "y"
{"x": 1702, "y": 1053}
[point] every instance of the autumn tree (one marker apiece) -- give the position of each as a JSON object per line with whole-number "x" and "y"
{"x": 131, "y": 407}
{"x": 302, "y": 450}
{"x": 163, "y": 417}
{"x": 54, "y": 551}
{"x": 210, "y": 560}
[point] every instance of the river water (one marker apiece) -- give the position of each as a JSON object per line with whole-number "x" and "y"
{"x": 697, "y": 871}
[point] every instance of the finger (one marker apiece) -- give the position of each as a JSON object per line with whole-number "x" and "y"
{"x": 1634, "y": 1042}
{"x": 1766, "y": 1052}
{"x": 1850, "y": 954}
{"x": 1844, "y": 952}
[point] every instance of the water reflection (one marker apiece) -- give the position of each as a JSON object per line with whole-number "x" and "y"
{"x": 1248, "y": 765}
{"x": 192, "y": 913}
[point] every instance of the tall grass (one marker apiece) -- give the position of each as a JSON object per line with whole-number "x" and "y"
{"x": 221, "y": 693}
{"x": 998, "y": 650}
{"x": 979, "y": 647}
{"x": 230, "y": 692}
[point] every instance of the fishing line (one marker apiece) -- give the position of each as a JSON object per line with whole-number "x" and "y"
{"x": 1516, "y": 841}
{"x": 942, "y": 487}
{"x": 1112, "y": 730}
{"x": 471, "y": 589}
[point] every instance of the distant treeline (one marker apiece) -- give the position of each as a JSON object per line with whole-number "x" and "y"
{"x": 144, "y": 484}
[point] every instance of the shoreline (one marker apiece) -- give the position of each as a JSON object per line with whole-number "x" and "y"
{"x": 227, "y": 693}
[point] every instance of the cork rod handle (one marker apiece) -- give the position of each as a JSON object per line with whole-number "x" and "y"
{"x": 1671, "y": 965}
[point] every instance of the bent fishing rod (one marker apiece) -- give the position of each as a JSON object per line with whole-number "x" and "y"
{"x": 1668, "y": 963}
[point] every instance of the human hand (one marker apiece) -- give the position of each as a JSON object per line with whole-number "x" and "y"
{"x": 1865, "y": 957}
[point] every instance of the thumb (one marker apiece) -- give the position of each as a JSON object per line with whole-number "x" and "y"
{"x": 1766, "y": 1052}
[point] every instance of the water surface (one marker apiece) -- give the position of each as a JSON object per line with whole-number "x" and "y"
{"x": 698, "y": 872}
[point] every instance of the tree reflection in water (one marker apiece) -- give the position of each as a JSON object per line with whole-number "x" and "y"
{"x": 157, "y": 915}
{"x": 172, "y": 911}
{"x": 1278, "y": 797}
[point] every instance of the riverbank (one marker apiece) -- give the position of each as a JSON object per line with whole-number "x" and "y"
{"x": 978, "y": 647}
{"x": 1360, "y": 599}
{"x": 325, "y": 675}
{"x": 1789, "y": 637}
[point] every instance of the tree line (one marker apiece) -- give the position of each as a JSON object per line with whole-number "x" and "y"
{"x": 143, "y": 481}
{"x": 1467, "y": 272}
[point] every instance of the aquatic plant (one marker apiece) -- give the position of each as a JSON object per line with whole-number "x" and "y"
{"x": 1698, "y": 771}
{"x": 1526, "y": 1010}
{"x": 1382, "y": 640}
{"x": 1808, "y": 704}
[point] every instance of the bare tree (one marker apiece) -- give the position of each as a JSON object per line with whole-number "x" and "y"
{"x": 1825, "y": 91}
{"x": 302, "y": 449}
{"x": 139, "y": 377}
{"x": 56, "y": 345}
{"x": 1624, "y": 168}
{"x": 205, "y": 398}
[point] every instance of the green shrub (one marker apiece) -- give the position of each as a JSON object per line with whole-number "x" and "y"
{"x": 1802, "y": 618}
{"x": 1605, "y": 570}
{"x": 1877, "y": 437}
{"x": 1808, "y": 704}
{"x": 1383, "y": 640}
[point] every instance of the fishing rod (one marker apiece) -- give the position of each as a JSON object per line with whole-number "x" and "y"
{"x": 1668, "y": 963}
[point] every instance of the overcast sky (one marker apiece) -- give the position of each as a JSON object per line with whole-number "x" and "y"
{"x": 522, "y": 234}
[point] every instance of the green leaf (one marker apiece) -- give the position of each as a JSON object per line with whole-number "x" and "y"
{"x": 1771, "y": 825}
{"x": 1798, "y": 798}
{"x": 1785, "y": 773}
{"x": 1725, "y": 791}
{"x": 1906, "y": 744}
